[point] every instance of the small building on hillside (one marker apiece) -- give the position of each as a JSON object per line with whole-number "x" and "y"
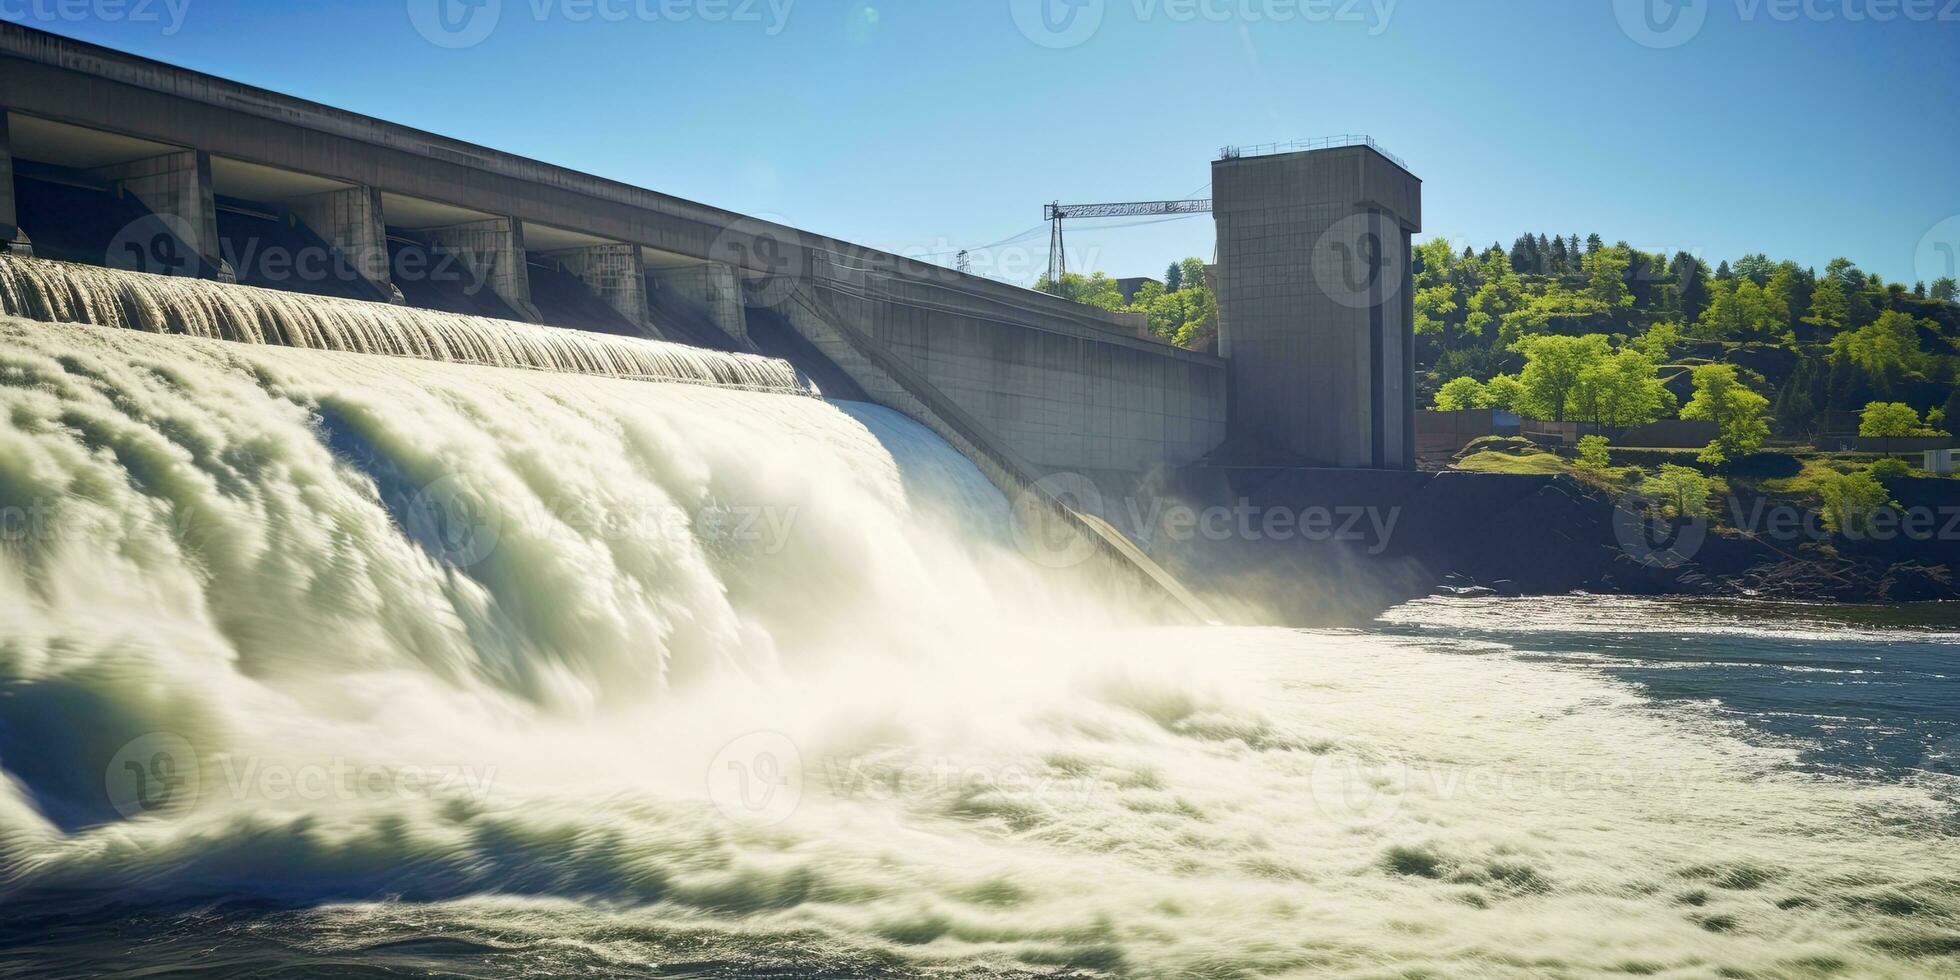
{"x": 1133, "y": 285}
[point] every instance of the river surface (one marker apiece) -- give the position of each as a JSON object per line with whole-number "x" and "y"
{"x": 316, "y": 663}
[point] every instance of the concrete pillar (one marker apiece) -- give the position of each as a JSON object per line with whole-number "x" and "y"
{"x": 351, "y": 221}
{"x": 615, "y": 273}
{"x": 12, "y": 239}
{"x": 717, "y": 288}
{"x": 493, "y": 251}
{"x": 1315, "y": 295}
{"x": 177, "y": 188}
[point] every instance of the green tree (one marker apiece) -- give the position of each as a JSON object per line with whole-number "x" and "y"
{"x": 1849, "y": 388}
{"x": 1796, "y": 409}
{"x": 1554, "y": 310}
{"x": 1738, "y": 413}
{"x": 1691, "y": 285}
{"x": 1944, "y": 289}
{"x": 1100, "y": 291}
{"x": 1891, "y": 420}
{"x": 1436, "y": 313}
{"x": 1193, "y": 276}
{"x": 1608, "y": 279}
{"x": 1678, "y": 491}
{"x": 1739, "y": 309}
{"x": 1850, "y": 500}
{"x": 1503, "y": 393}
{"x": 1432, "y": 263}
{"x": 1829, "y": 310}
{"x": 1174, "y": 277}
{"x": 1458, "y": 394}
{"x": 1620, "y": 390}
{"x": 1659, "y": 340}
{"x": 1845, "y": 272}
{"x": 1554, "y": 368}
{"x": 1756, "y": 268}
{"x": 1888, "y": 347}
{"x": 1594, "y": 453}
{"x": 1786, "y": 295}
{"x": 1167, "y": 312}
{"x": 1200, "y": 329}
{"x": 1951, "y": 417}
{"x": 1523, "y": 253}
{"x": 1889, "y": 468}
{"x": 1498, "y": 298}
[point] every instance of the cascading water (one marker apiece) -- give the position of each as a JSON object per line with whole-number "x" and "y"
{"x": 61, "y": 292}
{"x": 312, "y": 660}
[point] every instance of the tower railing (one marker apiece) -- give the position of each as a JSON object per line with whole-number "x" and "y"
{"x": 1320, "y": 143}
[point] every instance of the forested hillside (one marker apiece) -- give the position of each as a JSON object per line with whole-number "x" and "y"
{"x": 1573, "y": 329}
{"x": 1576, "y": 330}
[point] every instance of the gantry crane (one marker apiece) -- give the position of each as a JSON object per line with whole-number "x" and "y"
{"x": 1058, "y": 212}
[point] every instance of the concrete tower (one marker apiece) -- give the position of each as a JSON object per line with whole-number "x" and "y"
{"x": 1316, "y": 302}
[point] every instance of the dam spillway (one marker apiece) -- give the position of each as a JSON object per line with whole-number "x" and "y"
{"x": 60, "y": 292}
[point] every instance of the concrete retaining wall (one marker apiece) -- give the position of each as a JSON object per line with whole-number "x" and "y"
{"x": 1062, "y": 399}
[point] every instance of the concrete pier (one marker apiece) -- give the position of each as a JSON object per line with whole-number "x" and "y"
{"x": 9, "y": 217}
{"x": 716, "y": 288}
{"x": 176, "y": 187}
{"x": 351, "y": 220}
{"x": 493, "y": 249}
{"x": 615, "y": 273}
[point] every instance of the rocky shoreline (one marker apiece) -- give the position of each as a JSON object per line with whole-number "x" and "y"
{"x": 1475, "y": 534}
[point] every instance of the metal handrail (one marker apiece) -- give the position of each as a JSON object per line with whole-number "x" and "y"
{"x": 1320, "y": 143}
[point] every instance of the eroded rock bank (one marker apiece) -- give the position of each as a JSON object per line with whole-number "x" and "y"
{"x": 1511, "y": 534}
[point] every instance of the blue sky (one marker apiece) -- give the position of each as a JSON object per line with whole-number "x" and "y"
{"x": 1782, "y": 126}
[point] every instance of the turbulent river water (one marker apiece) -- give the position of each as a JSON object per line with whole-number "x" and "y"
{"x": 318, "y": 662}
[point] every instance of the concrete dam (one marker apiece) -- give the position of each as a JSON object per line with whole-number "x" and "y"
{"x": 111, "y": 159}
